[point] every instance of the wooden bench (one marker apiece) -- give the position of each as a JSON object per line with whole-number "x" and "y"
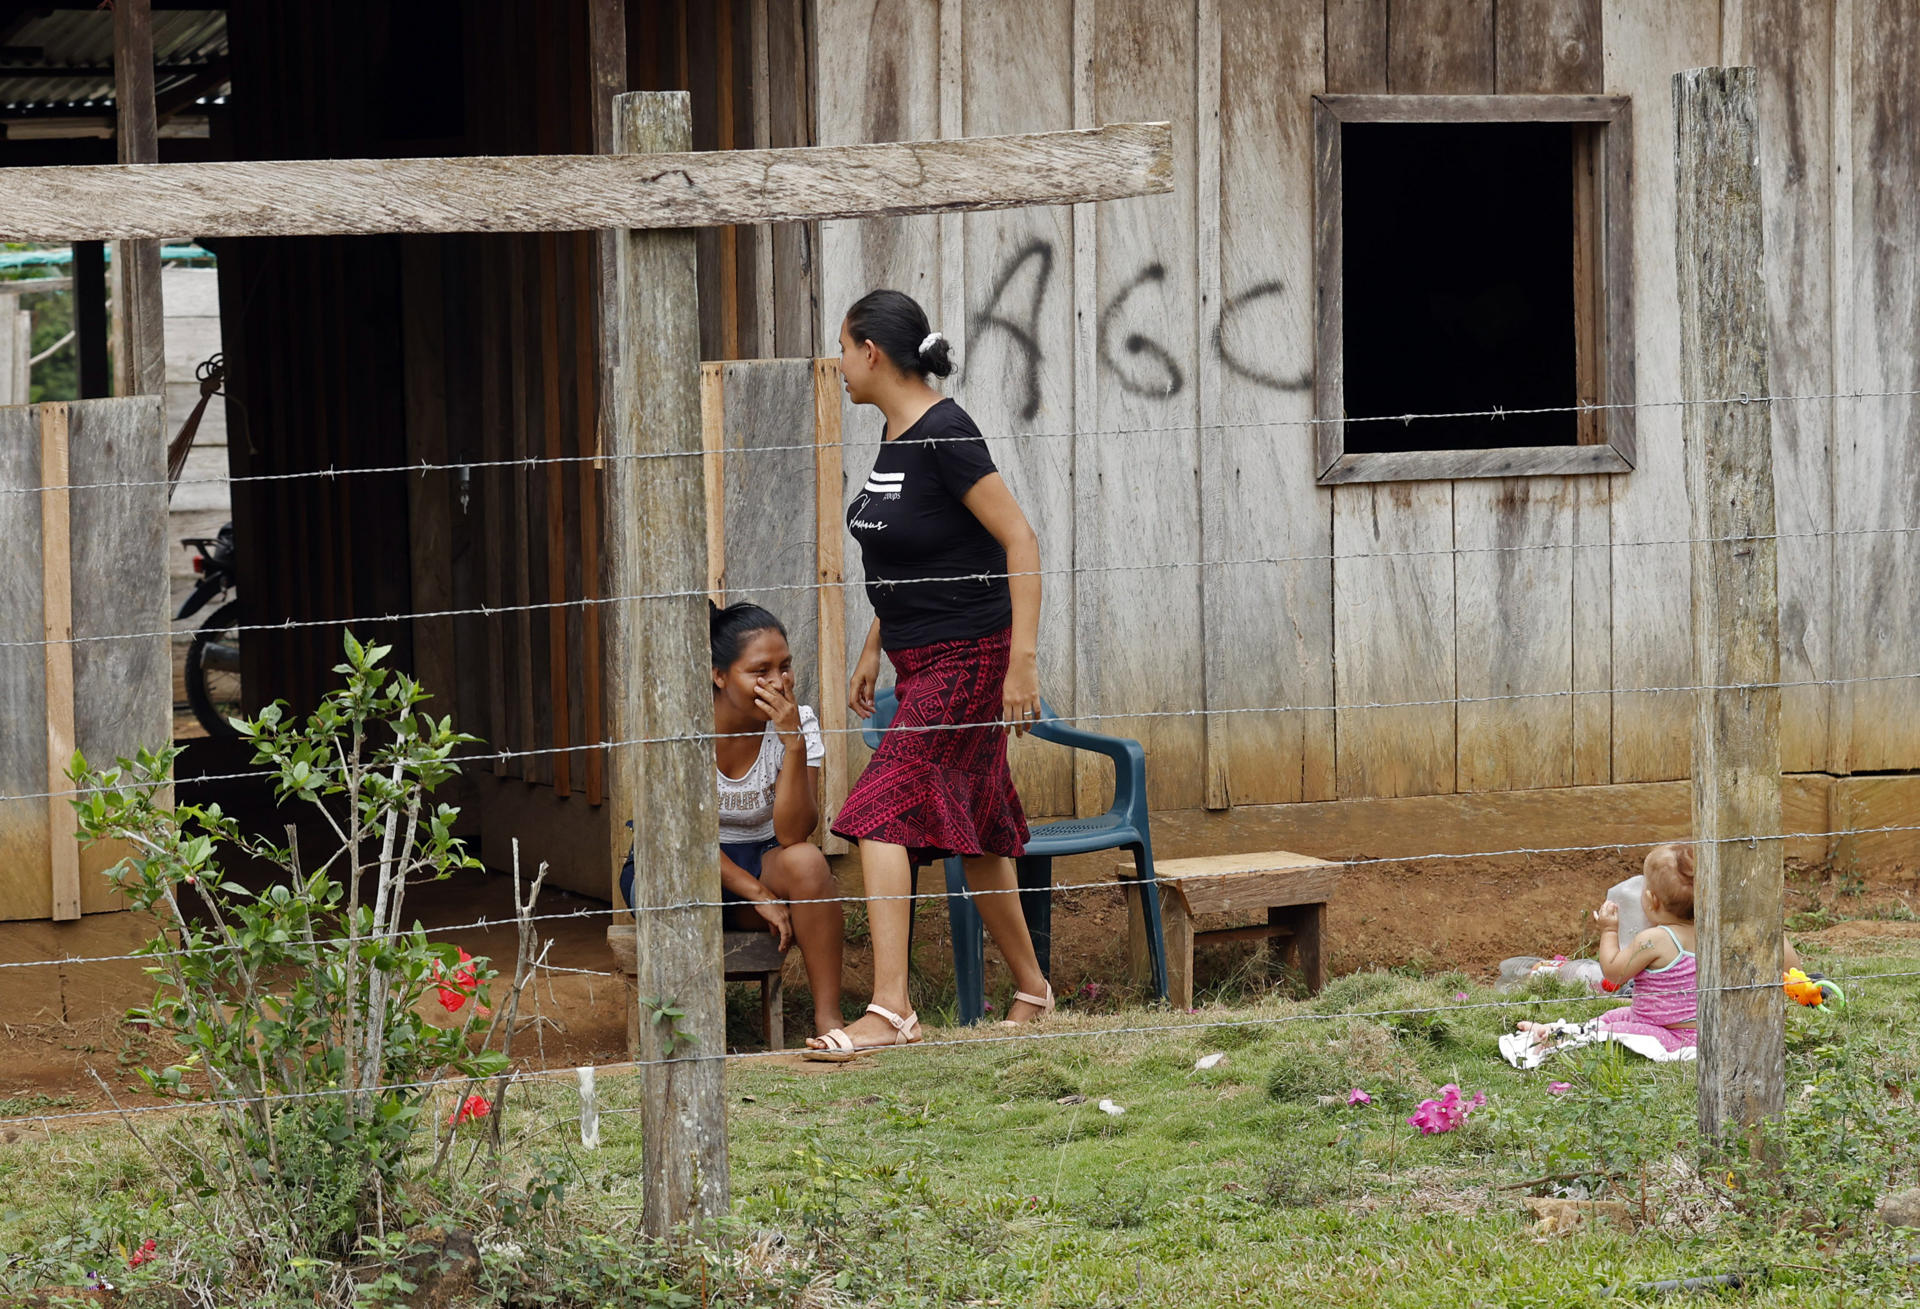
{"x": 749, "y": 956}
{"x": 1293, "y": 889}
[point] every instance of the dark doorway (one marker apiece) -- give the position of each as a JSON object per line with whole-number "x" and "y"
{"x": 1458, "y": 283}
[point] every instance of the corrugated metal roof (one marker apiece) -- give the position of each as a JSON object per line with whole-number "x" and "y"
{"x": 74, "y": 64}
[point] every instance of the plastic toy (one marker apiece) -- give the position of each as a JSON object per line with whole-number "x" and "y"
{"x": 1811, "y": 991}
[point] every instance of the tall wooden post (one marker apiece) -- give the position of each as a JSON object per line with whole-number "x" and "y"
{"x": 140, "y": 366}
{"x": 657, "y": 541}
{"x": 1736, "y": 625}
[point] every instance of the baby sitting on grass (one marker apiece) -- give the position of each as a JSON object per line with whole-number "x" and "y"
{"x": 1659, "y": 961}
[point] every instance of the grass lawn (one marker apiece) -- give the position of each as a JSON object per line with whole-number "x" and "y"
{"x": 988, "y": 1173}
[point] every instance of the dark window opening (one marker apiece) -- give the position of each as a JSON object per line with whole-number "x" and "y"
{"x": 1458, "y": 278}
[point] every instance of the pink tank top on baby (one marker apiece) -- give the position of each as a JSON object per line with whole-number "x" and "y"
{"x": 1663, "y": 999}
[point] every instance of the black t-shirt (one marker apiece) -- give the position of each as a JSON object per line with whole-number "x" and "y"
{"x": 910, "y": 524}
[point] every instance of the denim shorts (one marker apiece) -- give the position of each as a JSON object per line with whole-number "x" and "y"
{"x": 747, "y": 854}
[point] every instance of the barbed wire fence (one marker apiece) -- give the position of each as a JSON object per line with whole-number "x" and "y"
{"x": 484, "y": 757}
{"x": 1725, "y": 411}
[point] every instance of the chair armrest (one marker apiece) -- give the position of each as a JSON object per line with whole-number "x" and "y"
{"x": 1129, "y": 758}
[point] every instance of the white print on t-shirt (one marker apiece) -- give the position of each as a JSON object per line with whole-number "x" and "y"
{"x": 746, "y": 802}
{"x": 860, "y": 523}
{"x": 888, "y": 485}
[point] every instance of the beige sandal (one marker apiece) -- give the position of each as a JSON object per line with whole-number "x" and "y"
{"x": 1043, "y": 1003}
{"x": 840, "y": 1048}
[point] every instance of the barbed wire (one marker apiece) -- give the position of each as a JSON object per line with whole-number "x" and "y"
{"x": 1175, "y": 429}
{"x": 989, "y": 1038}
{"x": 500, "y": 756}
{"x": 1124, "y": 883}
{"x": 857, "y": 583}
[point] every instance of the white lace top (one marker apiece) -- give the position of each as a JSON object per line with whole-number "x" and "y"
{"x": 746, "y": 803}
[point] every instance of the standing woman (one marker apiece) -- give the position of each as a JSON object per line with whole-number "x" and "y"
{"x": 953, "y": 571}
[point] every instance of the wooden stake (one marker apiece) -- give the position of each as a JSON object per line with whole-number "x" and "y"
{"x": 141, "y": 366}
{"x": 1736, "y": 636}
{"x": 829, "y": 512}
{"x": 56, "y": 580}
{"x": 657, "y": 541}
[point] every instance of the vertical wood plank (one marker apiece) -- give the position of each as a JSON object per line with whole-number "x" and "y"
{"x": 1207, "y": 112}
{"x": 1356, "y": 36}
{"x": 141, "y": 368}
{"x": 795, "y": 305}
{"x": 1092, "y": 776}
{"x": 1513, "y": 578}
{"x": 949, "y": 316}
{"x": 771, "y": 551}
{"x": 494, "y": 486}
{"x": 1592, "y": 707}
{"x": 1136, "y": 492}
{"x": 760, "y": 41}
{"x": 1877, "y": 472}
{"x": 1269, "y": 625}
{"x": 56, "y": 629}
{"x": 123, "y": 688}
{"x": 1652, "y": 625}
{"x": 656, "y": 541}
{"x": 1440, "y": 47}
{"x": 526, "y": 540}
{"x": 429, "y": 499}
{"x": 830, "y": 557}
{"x": 1017, "y": 362}
{"x": 1720, "y": 262}
{"x": 556, "y": 546}
{"x": 713, "y": 471}
{"x": 1548, "y": 47}
{"x": 1841, "y": 318}
{"x": 1794, "y": 47}
{"x": 1393, "y": 638}
{"x": 26, "y": 883}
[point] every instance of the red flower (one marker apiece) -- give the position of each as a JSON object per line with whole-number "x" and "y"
{"x": 464, "y": 980}
{"x": 145, "y": 1254}
{"x": 474, "y": 1106}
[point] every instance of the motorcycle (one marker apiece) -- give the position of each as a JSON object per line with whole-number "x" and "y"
{"x": 213, "y": 659}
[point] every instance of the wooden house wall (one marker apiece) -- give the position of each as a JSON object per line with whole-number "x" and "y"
{"x": 1126, "y": 357}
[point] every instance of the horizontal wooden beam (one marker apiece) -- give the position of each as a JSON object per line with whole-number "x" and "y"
{"x": 1448, "y": 465}
{"x": 1475, "y": 108}
{"x": 541, "y": 193}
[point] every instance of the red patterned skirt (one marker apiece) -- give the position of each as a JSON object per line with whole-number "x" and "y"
{"x": 948, "y": 790}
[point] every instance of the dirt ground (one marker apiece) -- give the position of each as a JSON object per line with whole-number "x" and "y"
{"x": 60, "y": 1025}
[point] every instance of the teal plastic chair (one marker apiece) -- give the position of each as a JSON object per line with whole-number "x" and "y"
{"x": 1122, "y": 827}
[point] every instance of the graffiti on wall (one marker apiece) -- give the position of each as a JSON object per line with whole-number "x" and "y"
{"x": 1141, "y": 365}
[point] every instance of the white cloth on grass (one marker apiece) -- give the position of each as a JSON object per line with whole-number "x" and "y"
{"x": 1522, "y": 1051}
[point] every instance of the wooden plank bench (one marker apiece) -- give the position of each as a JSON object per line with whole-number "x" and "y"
{"x": 1293, "y": 889}
{"x": 749, "y": 957}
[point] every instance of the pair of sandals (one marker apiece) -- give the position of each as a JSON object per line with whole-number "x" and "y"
{"x": 839, "y": 1048}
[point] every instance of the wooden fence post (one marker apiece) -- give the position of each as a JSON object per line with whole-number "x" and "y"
{"x": 1736, "y": 627}
{"x": 656, "y": 541}
{"x": 141, "y": 366}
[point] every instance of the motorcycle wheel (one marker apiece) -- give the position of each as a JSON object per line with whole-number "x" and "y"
{"x": 213, "y": 671}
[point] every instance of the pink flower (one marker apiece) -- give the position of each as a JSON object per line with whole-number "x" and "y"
{"x": 474, "y": 1106}
{"x": 1446, "y": 1113}
{"x": 1460, "y": 995}
{"x": 145, "y": 1254}
{"x": 1559, "y": 1088}
{"x": 1357, "y": 1096}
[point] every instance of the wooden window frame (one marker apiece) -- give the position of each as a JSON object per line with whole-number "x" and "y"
{"x": 1603, "y": 268}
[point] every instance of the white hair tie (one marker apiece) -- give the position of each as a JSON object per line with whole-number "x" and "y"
{"x": 928, "y": 344}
